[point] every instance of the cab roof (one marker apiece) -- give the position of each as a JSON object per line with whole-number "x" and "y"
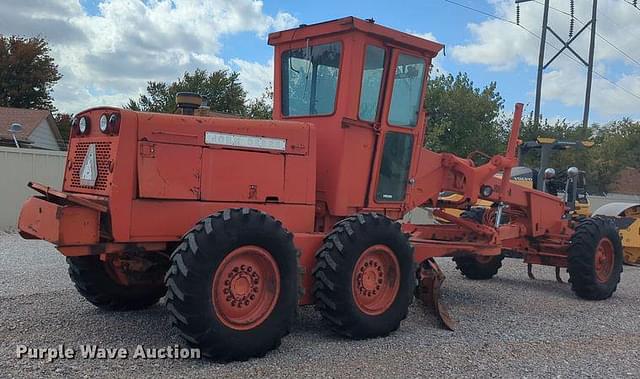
{"x": 347, "y": 24}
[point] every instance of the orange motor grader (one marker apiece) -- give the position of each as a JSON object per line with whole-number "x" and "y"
{"x": 240, "y": 221}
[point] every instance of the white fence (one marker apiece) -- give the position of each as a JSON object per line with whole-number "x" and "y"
{"x": 17, "y": 168}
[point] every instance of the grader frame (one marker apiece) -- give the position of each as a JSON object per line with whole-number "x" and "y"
{"x": 243, "y": 206}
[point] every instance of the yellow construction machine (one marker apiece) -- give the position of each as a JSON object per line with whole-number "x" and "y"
{"x": 626, "y": 216}
{"x": 572, "y": 184}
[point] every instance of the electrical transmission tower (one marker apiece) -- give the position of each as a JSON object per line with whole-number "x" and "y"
{"x": 542, "y": 65}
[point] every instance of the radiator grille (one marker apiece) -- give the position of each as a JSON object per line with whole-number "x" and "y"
{"x": 103, "y": 161}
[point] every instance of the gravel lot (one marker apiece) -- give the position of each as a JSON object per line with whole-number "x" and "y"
{"x": 508, "y": 327}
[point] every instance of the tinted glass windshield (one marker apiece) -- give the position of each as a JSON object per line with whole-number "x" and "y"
{"x": 371, "y": 83}
{"x": 407, "y": 89}
{"x": 310, "y": 80}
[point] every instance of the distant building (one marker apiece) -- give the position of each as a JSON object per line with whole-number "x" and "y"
{"x": 39, "y": 129}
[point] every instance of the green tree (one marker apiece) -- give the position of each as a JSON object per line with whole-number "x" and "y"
{"x": 222, "y": 89}
{"x": 27, "y": 73}
{"x": 617, "y": 146}
{"x": 464, "y": 118}
{"x": 261, "y": 107}
{"x": 559, "y": 130}
{"x": 63, "y": 120}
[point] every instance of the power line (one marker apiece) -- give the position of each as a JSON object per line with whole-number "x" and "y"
{"x": 633, "y": 4}
{"x": 547, "y": 43}
{"x": 597, "y": 33}
{"x": 481, "y": 11}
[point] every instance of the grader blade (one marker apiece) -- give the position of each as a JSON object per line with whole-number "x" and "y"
{"x": 430, "y": 279}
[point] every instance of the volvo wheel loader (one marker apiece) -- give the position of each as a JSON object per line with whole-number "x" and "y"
{"x": 240, "y": 221}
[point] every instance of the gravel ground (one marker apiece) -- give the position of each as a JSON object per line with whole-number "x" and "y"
{"x": 508, "y": 327}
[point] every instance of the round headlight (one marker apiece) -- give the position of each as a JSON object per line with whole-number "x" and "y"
{"x": 104, "y": 123}
{"x": 549, "y": 173}
{"x": 572, "y": 172}
{"x": 83, "y": 125}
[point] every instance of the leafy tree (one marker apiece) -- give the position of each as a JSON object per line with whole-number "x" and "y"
{"x": 222, "y": 89}
{"x": 464, "y": 118}
{"x": 261, "y": 107}
{"x": 559, "y": 130}
{"x": 63, "y": 120}
{"x": 617, "y": 147}
{"x": 27, "y": 73}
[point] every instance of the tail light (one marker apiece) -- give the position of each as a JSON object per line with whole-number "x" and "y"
{"x": 110, "y": 123}
{"x": 114, "y": 123}
{"x": 107, "y": 123}
{"x": 83, "y": 125}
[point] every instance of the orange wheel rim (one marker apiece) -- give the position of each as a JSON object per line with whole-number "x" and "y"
{"x": 604, "y": 260}
{"x": 376, "y": 280}
{"x": 245, "y": 287}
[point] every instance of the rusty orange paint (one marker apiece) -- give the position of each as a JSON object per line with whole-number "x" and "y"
{"x": 65, "y": 225}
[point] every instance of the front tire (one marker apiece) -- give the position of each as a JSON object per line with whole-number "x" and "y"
{"x": 473, "y": 266}
{"x": 595, "y": 259}
{"x": 233, "y": 285}
{"x": 364, "y": 276}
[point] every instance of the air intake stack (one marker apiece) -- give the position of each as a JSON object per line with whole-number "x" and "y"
{"x": 188, "y": 102}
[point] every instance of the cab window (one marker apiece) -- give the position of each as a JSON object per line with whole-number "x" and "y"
{"x": 407, "y": 91}
{"x": 371, "y": 83}
{"x": 394, "y": 170}
{"x": 310, "y": 80}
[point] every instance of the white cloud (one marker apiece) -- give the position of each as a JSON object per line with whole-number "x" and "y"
{"x": 437, "y": 66}
{"x": 255, "y": 77}
{"x": 501, "y": 46}
{"x": 109, "y": 57}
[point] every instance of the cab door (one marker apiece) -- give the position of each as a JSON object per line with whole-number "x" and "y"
{"x": 401, "y": 130}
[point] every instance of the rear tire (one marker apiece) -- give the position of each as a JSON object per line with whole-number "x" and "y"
{"x": 364, "y": 276}
{"x": 92, "y": 280}
{"x": 233, "y": 285}
{"x": 595, "y": 259}
{"x": 472, "y": 266}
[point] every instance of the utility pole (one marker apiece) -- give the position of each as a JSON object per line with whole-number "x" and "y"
{"x": 587, "y": 97}
{"x": 566, "y": 45}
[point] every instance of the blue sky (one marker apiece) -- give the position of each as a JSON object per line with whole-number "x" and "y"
{"x": 113, "y": 47}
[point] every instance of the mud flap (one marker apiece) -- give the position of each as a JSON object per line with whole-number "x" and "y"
{"x": 530, "y": 271}
{"x": 558, "y": 277}
{"x": 430, "y": 279}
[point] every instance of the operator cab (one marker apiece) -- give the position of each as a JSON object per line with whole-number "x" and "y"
{"x": 362, "y": 85}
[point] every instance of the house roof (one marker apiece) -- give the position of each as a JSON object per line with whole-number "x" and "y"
{"x": 28, "y": 118}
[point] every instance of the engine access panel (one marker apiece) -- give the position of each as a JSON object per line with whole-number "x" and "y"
{"x": 225, "y": 160}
